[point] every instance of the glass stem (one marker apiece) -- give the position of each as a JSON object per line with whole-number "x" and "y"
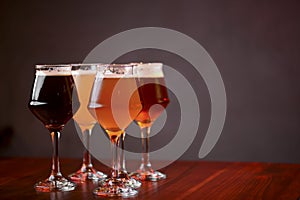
{"x": 146, "y": 165}
{"x": 55, "y": 170}
{"x": 122, "y": 154}
{"x": 87, "y": 163}
{"x": 115, "y": 163}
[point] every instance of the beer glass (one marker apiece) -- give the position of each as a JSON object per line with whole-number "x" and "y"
{"x": 154, "y": 99}
{"x": 84, "y": 75}
{"x": 122, "y": 171}
{"x": 51, "y": 103}
{"x": 115, "y": 101}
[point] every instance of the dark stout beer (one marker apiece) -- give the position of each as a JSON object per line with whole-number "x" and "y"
{"x": 51, "y": 100}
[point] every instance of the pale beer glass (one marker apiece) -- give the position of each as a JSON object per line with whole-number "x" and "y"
{"x": 84, "y": 75}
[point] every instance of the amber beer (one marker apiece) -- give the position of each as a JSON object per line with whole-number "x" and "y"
{"x": 51, "y": 99}
{"x": 152, "y": 91}
{"x": 108, "y": 110}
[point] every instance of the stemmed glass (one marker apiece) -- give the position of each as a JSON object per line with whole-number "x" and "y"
{"x": 115, "y": 102}
{"x": 122, "y": 171}
{"x": 51, "y": 103}
{"x": 84, "y": 75}
{"x": 154, "y": 98}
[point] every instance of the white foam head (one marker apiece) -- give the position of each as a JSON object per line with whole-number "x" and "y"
{"x": 115, "y": 71}
{"x": 143, "y": 70}
{"x": 53, "y": 70}
{"x": 149, "y": 70}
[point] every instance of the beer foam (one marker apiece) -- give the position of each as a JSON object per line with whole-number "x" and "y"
{"x": 53, "y": 70}
{"x": 149, "y": 70}
{"x": 115, "y": 71}
{"x": 132, "y": 70}
{"x": 52, "y": 73}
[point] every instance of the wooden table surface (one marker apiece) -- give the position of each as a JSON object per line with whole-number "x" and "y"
{"x": 186, "y": 180}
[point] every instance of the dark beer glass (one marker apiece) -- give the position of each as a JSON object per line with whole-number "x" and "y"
{"x": 51, "y": 103}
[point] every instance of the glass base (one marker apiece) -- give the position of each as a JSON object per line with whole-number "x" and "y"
{"x": 58, "y": 184}
{"x": 114, "y": 188}
{"x": 131, "y": 182}
{"x": 85, "y": 174}
{"x": 148, "y": 175}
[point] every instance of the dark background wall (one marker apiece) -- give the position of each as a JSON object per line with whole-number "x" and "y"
{"x": 255, "y": 45}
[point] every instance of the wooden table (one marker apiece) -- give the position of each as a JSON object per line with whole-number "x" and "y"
{"x": 186, "y": 180}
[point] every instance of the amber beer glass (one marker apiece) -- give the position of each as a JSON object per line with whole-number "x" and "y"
{"x": 84, "y": 75}
{"x": 51, "y": 103}
{"x": 116, "y": 103}
{"x": 154, "y": 98}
